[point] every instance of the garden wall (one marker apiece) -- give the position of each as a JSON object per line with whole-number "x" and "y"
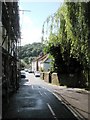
{"x": 69, "y": 80}
{"x": 54, "y": 79}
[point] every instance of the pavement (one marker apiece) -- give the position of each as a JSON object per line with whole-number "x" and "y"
{"x": 76, "y": 99}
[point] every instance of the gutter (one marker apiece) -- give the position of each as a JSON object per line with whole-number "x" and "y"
{"x": 72, "y": 108}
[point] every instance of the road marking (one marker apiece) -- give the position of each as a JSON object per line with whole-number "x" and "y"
{"x": 45, "y": 93}
{"x": 59, "y": 100}
{"x": 51, "y": 110}
{"x": 32, "y": 86}
{"x": 57, "y": 96}
{"x": 18, "y": 110}
{"x": 46, "y": 89}
{"x": 40, "y": 93}
{"x": 75, "y": 113}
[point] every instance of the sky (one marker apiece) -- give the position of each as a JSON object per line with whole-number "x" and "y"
{"x": 31, "y": 21}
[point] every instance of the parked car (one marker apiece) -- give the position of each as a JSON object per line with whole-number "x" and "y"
{"x": 37, "y": 74}
{"x": 30, "y": 71}
{"x": 23, "y": 74}
{"x": 26, "y": 70}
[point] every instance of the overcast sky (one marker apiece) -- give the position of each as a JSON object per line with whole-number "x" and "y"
{"x": 31, "y": 22}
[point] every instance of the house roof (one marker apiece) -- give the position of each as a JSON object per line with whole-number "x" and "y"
{"x": 37, "y": 58}
{"x": 41, "y": 58}
{"x": 46, "y": 58}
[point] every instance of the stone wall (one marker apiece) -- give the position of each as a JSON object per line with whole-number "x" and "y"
{"x": 69, "y": 80}
{"x": 46, "y": 77}
{"x": 42, "y": 75}
{"x": 50, "y": 78}
{"x": 54, "y": 79}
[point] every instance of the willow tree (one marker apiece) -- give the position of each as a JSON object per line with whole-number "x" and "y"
{"x": 77, "y": 15}
{"x": 69, "y": 29}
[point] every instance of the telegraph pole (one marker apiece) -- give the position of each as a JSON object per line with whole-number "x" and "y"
{"x": 25, "y": 10}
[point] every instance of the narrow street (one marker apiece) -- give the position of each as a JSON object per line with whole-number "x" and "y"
{"x": 35, "y": 99}
{"x": 52, "y": 39}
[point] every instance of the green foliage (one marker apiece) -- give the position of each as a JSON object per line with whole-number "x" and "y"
{"x": 26, "y": 60}
{"x": 29, "y": 51}
{"x": 68, "y": 37}
{"x": 23, "y": 64}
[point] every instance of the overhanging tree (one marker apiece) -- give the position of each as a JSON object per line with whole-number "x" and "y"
{"x": 69, "y": 28}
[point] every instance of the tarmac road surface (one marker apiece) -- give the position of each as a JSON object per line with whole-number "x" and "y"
{"x": 34, "y": 101}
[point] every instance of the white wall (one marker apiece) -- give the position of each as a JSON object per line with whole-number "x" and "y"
{"x": 48, "y": 60}
{"x": 46, "y": 66}
{"x": 34, "y": 66}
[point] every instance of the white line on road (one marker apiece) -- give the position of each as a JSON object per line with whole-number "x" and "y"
{"x": 46, "y": 89}
{"x": 40, "y": 93}
{"x": 57, "y": 96}
{"x": 45, "y": 93}
{"x": 32, "y": 86}
{"x": 51, "y": 110}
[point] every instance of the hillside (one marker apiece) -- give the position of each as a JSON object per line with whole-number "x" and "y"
{"x": 29, "y": 51}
